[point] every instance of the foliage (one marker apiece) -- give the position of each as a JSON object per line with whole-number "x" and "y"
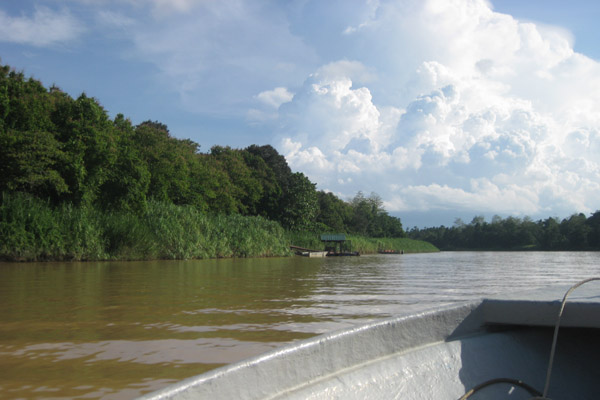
{"x": 574, "y": 233}
{"x": 246, "y": 186}
{"x": 370, "y": 218}
{"x": 369, "y": 245}
{"x": 119, "y": 180}
{"x": 34, "y": 230}
{"x": 363, "y": 244}
{"x": 29, "y": 161}
{"x": 31, "y": 229}
{"x": 300, "y": 203}
{"x": 334, "y": 213}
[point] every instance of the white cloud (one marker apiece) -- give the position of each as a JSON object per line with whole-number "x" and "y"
{"x": 356, "y": 71}
{"x": 276, "y": 97}
{"x": 45, "y": 27}
{"x": 433, "y": 104}
{"x": 329, "y": 113}
{"x": 268, "y": 103}
{"x": 476, "y": 112}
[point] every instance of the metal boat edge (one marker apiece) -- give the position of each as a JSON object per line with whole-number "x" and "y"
{"x": 442, "y": 333}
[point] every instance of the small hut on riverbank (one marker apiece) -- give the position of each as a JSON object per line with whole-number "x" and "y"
{"x": 337, "y": 245}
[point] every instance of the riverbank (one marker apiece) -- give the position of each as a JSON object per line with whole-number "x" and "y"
{"x": 366, "y": 245}
{"x": 33, "y": 230}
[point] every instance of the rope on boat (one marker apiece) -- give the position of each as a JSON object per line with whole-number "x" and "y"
{"x": 537, "y": 395}
{"x": 555, "y": 338}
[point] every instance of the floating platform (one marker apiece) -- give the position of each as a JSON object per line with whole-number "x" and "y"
{"x": 313, "y": 254}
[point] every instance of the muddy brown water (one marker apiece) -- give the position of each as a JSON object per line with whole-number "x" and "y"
{"x": 116, "y": 330}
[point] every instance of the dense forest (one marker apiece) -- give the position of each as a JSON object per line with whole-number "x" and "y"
{"x": 58, "y": 153}
{"x": 574, "y": 233}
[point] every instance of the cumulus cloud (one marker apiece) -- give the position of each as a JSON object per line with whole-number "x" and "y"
{"x": 433, "y": 104}
{"x": 269, "y": 102}
{"x": 482, "y": 114}
{"x": 276, "y": 97}
{"x": 45, "y": 27}
{"x": 335, "y": 128}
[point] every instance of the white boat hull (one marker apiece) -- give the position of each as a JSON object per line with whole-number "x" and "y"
{"x": 439, "y": 354}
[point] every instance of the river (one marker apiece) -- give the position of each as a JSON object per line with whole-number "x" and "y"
{"x": 116, "y": 330}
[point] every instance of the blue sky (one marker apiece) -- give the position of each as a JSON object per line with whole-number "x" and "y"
{"x": 445, "y": 108}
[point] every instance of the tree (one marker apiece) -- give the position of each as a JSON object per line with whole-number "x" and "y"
{"x": 576, "y": 231}
{"x": 362, "y": 214}
{"x": 30, "y": 154}
{"x": 334, "y": 213}
{"x": 387, "y": 226}
{"x": 168, "y": 161}
{"x": 213, "y": 186}
{"x": 24, "y": 104}
{"x": 69, "y": 151}
{"x": 280, "y": 170}
{"x": 459, "y": 223}
{"x": 29, "y": 163}
{"x": 593, "y": 222}
{"x": 551, "y": 237}
{"x": 247, "y": 190}
{"x": 275, "y": 161}
{"x": 127, "y": 183}
{"x": 300, "y": 203}
{"x": 529, "y": 233}
{"x": 371, "y": 219}
{"x": 268, "y": 205}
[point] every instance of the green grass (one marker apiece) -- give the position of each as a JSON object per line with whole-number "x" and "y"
{"x": 364, "y": 245}
{"x": 34, "y": 230}
{"x": 30, "y": 229}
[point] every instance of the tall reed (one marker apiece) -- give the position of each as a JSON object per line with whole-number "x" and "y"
{"x": 32, "y": 230}
{"x": 364, "y": 245}
{"x": 81, "y": 233}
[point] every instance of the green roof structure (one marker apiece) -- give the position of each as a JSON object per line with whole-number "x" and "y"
{"x": 336, "y": 244}
{"x": 339, "y": 237}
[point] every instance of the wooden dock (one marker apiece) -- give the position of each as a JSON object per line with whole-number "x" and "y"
{"x": 301, "y": 251}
